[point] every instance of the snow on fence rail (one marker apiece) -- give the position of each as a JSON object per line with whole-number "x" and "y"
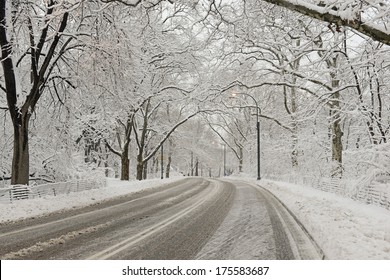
{"x": 18, "y": 192}
{"x": 333, "y": 185}
{"x": 377, "y": 194}
{"x": 6, "y": 194}
{"x": 369, "y": 193}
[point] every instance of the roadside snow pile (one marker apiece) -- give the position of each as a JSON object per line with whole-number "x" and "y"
{"x": 40, "y": 206}
{"x": 344, "y": 228}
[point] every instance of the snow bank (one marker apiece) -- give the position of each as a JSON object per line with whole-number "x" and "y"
{"x": 40, "y": 206}
{"x": 344, "y": 228}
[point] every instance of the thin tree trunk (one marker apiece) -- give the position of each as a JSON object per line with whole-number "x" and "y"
{"x": 197, "y": 167}
{"x": 240, "y": 159}
{"x": 337, "y": 134}
{"x": 141, "y": 142}
{"x": 145, "y": 171}
{"x": 156, "y": 165}
{"x": 192, "y": 164}
{"x": 168, "y": 168}
{"x": 294, "y": 135}
{"x": 169, "y": 162}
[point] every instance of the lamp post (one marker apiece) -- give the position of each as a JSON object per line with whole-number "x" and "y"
{"x": 258, "y": 113}
{"x": 224, "y": 160}
{"x": 162, "y": 161}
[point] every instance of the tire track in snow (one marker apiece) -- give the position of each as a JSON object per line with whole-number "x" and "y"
{"x": 245, "y": 233}
{"x": 146, "y": 233}
{"x": 41, "y": 246}
{"x": 259, "y": 226}
{"x": 34, "y": 240}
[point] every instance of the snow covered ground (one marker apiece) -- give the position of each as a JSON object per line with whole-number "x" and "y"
{"x": 345, "y": 229}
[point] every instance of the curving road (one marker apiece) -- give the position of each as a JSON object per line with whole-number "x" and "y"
{"x": 194, "y": 218}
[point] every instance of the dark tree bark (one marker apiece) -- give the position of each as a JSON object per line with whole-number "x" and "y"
{"x": 141, "y": 142}
{"x": 125, "y": 166}
{"x": 123, "y": 153}
{"x": 169, "y": 161}
{"x": 240, "y": 159}
{"x": 20, "y": 161}
{"x": 197, "y": 167}
{"x": 20, "y": 115}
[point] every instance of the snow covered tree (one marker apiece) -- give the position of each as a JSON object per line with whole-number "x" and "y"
{"x": 33, "y": 41}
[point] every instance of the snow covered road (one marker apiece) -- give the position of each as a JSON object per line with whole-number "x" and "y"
{"x": 258, "y": 226}
{"x": 142, "y": 225}
{"x": 186, "y": 219}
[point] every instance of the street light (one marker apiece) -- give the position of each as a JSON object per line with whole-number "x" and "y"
{"x": 258, "y": 113}
{"x": 162, "y": 161}
{"x": 224, "y": 160}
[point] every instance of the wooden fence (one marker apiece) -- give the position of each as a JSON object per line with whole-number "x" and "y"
{"x": 19, "y": 192}
{"x": 333, "y": 185}
{"x": 377, "y": 194}
{"x": 368, "y": 191}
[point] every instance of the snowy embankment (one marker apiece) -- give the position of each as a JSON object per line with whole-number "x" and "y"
{"x": 41, "y": 206}
{"x": 344, "y": 228}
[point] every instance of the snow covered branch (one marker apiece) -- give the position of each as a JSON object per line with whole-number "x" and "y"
{"x": 169, "y": 133}
{"x": 343, "y": 16}
{"x": 135, "y": 3}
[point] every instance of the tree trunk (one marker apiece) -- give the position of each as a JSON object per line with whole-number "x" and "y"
{"x": 337, "y": 134}
{"x": 20, "y": 161}
{"x": 106, "y": 171}
{"x": 293, "y": 111}
{"x": 156, "y": 163}
{"x": 141, "y": 142}
{"x": 140, "y": 166}
{"x": 197, "y": 167}
{"x": 140, "y": 170}
{"x": 192, "y": 164}
{"x": 125, "y": 166}
{"x": 337, "y": 149}
{"x": 241, "y": 159}
{"x": 294, "y": 129}
{"x": 20, "y": 114}
{"x": 168, "y": 168}
{"x": 145, "y": 173}
{"x": 294, "y": 152}
{"x": 335, "y": 116}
